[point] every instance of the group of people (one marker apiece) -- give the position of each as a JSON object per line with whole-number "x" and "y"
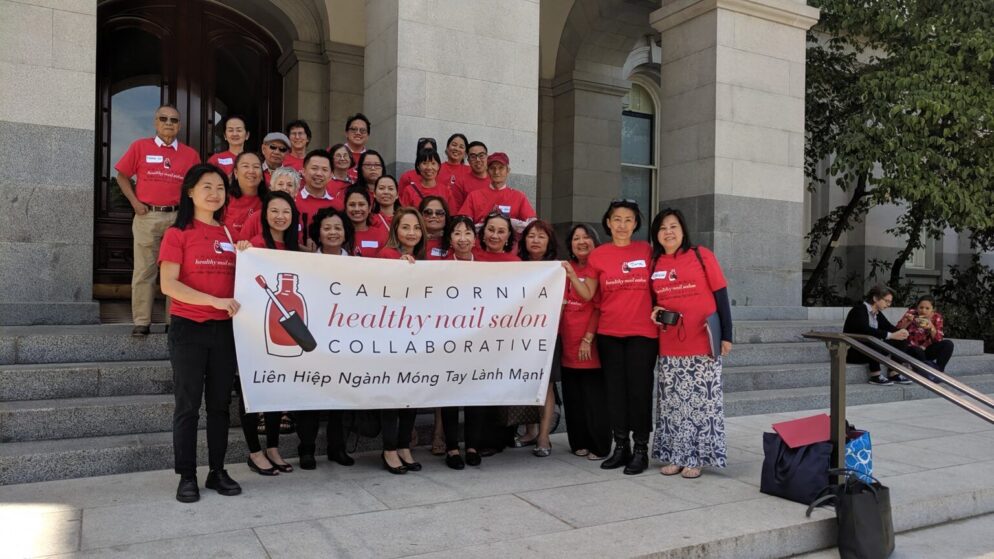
{"x": 634, "y": 312}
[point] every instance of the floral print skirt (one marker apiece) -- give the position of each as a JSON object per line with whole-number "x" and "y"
{"x": 690, "y": 415}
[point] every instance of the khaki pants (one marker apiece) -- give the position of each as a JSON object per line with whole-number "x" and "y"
{"x": 147, "y": 230}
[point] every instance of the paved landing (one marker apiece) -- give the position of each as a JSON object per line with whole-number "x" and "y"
{"x": 937, "y": 459}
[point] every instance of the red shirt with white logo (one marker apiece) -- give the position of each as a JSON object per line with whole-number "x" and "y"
{"x": 412, "y": 195}
{"x": 576, "y": 322}
{"x": 224, "y": 160}
{"x": 510, "y": 202}
{"x": 372, "y": 240}
{"x": 681, "y": 285}
{"x": 294, "y": 162}
{"x": 481, "y": 255}
{"x": 206, "y": 261}
{"x": 158, "y": 168}
{"x": 240, "y": 211}
{"x": 623, "y": 281}
{"x": 452, "y": 173}
{"x": 469, "y": 183}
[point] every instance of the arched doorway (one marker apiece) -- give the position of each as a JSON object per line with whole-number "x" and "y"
{"x": 206, "y": 59}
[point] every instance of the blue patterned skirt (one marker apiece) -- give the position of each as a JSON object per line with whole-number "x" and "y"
{"x": 690, "y": 415}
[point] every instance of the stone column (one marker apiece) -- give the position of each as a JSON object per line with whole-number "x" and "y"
{"x": 436, "y": 67}
{"x": 47, "y": 119}
{"x": 305, "y": 93}
{"x": 731, "y": 131}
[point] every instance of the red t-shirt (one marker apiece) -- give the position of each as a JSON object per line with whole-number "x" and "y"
{"x": 310, "y": 205}
{"x": 294, "y": 162}
{"x": 239, "y": 211}
{"x": 258, "y": 242}
{"x": 481, "y": 255}
{"x": 388, "y": 253}
{"x": 224, "y": 160}
{"x": 433, "y": 250}
{"x": 452, "y": 256}
{"x": 372, "y": 240}
{"x": 509, "y": 201}
{"x": 412, "y": 194}
{"x": 381, "y": 220}
{"x": 337, "y": 186}
{"x": 575, "y": 323}
{"x": 623, "y": 281}
{"x": 206, "y": 263}
{"x": 682, "y": 286}
{"x": 452, "y": 173}
{"x": 469, "y": 183}
{"x": 159, "y": 170}
{"x": 406, "y": 178}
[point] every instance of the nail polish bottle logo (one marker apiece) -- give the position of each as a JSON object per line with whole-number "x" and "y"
{"x": 278, "y": 341}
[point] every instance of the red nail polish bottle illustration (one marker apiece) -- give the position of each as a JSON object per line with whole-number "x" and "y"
{"x": 278, "y": 341}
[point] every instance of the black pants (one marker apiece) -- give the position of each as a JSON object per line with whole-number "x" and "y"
{"x": 858, "y": 358}
{"x": 203, "y": 360}
{"x": 307, "y": 431}
{"x": 250, "y": 427}
{"x": 585, "y": 408}
{"x": 941, "y": 352}
{"x": 475, "y": 419}
{"x": 397, "y": 425}
{"x": 628, "y": 365}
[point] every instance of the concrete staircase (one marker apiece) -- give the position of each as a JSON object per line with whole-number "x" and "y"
{"x": 80, "y": 401}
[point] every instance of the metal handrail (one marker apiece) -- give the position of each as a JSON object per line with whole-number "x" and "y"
{"x": 839, "y": 344}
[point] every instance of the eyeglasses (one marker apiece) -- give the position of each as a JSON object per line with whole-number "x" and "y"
{"x": 372, "y": 166}
{"x": 343, "y": 157}
{"x": 169, "y": 119}
{"x": 298, "y": 134}
{"x": 482, "y": 156}
{"x": 359, "y": 131}
{"x": 435, "y": 213}
{"x": 279, "y": 148}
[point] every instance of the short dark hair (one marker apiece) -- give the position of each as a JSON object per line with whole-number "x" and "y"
{"x": 184, "y": 216}
{"x": 475, "y": 143}
{"x": 657, "y": 222}
{"x": 461, "y": 136}
{"x": 290, "y": 237}
{"x": 569, "y": 239}
{"x": 360, "y": 178}
{"x": 451, "y": 226}
{"x": 355, "y": 117}
{"x": 878, "y": 291}
{"x": 924, "y": 298}
{"x": 229, "y": 118}
{"x": 424, "y": 155}
{"x": 510, "y": 230}
{"x": 551, "y": 249}
{"x": 376, "y": 203}
{"x": 336, "y": 147}
{"x": 299, "y": 124}
{"x": 621, "y": 203}
{"x": 357, "y": 190}
{"x": 235, "y": 189}
{"x": 314, "y": 229}
{"x": 317, "y": 153}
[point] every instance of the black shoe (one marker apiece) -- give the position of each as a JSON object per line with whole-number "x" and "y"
{"x": 188, "y": 492}
{"x": 620, "y": 457}
{"x": 411, "y": 466}
{"x": 307, "y": 462}
{"x": 455, "y": 461}
{"x": 473, "y": 459}
{"x": 399, "y": 471}
{"x": 270, "y": 471}
{"x": 220, "y": 481}
{"x": 484, "y": 452}
{"x": 341, "y": 457}
{"x": 900, "y": 379}
{"x": 140, "y": 331}
{"x": 880, "y": 380}
{"x": 638, "y": 463}
{"x": 933, "y": 378}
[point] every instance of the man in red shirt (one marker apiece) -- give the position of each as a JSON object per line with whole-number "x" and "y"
{"x": 275, "y": 147}
{"x": 477, "y": 176}
{"x": 158, "y": 165}
{"x": 499, "y": 197}
{"x": 299, "y": 134}
{"x": 314, "y": 195}
{"x": 357, "y": 130}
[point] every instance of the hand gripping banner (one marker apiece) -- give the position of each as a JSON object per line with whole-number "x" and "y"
{"x": 333, "y": 332}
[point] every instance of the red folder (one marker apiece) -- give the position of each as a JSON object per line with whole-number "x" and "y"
{"x": 804, "y": 431}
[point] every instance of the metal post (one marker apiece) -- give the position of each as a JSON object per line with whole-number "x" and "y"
{"x": 838, "y": 351}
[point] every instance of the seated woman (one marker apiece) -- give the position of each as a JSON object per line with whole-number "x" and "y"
{"x": 925, "y": 338}
{"x": 867, "y": 318}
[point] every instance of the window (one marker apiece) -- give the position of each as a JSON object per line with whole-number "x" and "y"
{"x": 923, "y": 258}
{"x": 638, "y": 150}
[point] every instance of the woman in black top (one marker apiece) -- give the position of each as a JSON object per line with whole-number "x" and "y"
{"x": 868, "y": 319}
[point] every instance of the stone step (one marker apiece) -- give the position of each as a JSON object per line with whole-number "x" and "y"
{"x": 801, "y": 375}
{"x": 772, "y": 331}
{"x": 810, "y": 352}
{"x": 45, "y": 381}
{"x": 817, "y": 398}
{"x": 79, "y": 344}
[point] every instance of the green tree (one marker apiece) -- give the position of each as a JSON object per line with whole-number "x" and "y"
{"x": 900, "y": 99}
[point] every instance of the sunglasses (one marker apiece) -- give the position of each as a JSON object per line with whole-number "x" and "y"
{"x": 619, "y": 201}
{"x": 169, "y": 119}
{"x": 435, "y": 213}
{"x": 422, "y": 141}
{"x": 279, "y": 148}
{"x": 496, "y": 213}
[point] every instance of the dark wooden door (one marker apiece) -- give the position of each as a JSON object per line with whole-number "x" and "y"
{"x": 205, "y": 59}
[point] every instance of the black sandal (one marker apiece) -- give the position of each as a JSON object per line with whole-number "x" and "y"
{"x": 287, "y": 425}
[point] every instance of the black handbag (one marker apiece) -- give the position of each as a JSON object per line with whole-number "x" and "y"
{"x": 797, "y": 474}
{"x": 863, "y": 514}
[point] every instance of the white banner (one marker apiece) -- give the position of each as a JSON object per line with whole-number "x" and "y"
{"x": 335, "y": 332}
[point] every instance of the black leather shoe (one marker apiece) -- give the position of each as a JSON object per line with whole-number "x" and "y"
{"x": 386, "y": 465}
{"x": 473, "y": 459}
{"x": 220, "y": 481}
{"x": 341, "y": 457}
{"x": 188, "y": 492}
{"x": 454, "y": 461}
{"x": 620, "y": 457}
{"x": 307, "y": 462}
{"x": 638, "y": 463}
{"x": 270, "y": 471}
{"x": 411, "y": 466}
{"x": 140, "y": 331}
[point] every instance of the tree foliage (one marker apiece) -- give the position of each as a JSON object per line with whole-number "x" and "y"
{"x": 900, "y": 102}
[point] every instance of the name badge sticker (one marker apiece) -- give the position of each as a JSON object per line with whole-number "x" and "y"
{"x": 659, "y": 276}
{"x": 506, "y": 210}
{"x": 226, "y": 161}
{"x": 153, "y": 159}
{"x": 227, "y": 247}
{"x": 437, "y": 252}
{"x": 370, "y": 244}
{"x": 636, "y": 264}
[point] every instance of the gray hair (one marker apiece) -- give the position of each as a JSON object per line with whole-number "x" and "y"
{"x": 288, "y": 172}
